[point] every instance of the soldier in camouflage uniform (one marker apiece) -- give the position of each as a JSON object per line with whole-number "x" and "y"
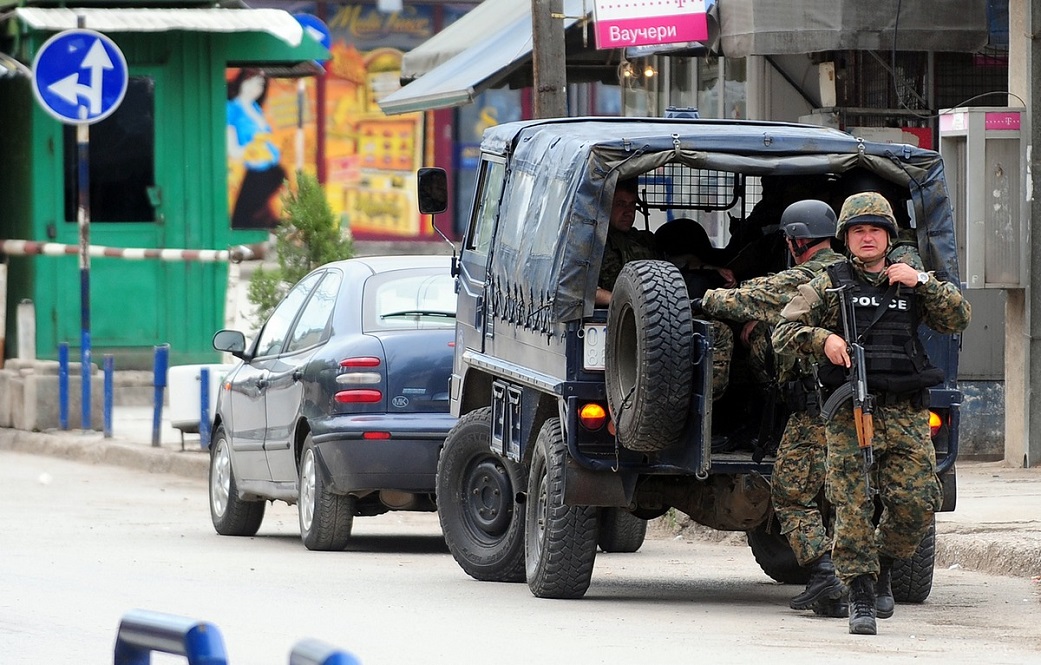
{"x": 624, "y": 244}
{"x": 799, "y": 467}
{"x": 890, "y": 300}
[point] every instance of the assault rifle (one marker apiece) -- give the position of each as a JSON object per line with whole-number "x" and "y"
{"x": 855, "y": 387}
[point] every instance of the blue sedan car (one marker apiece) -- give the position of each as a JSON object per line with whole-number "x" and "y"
{"x": 340, "y": 403}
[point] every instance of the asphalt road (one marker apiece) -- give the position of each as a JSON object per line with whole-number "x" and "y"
{"x": 86, "y": 543}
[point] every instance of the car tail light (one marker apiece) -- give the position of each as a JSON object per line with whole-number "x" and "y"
{"x": 375, "y": 436}
{"x": 363, "y": 361}
{"x": 935, "y": 422}
{"x": 360, "y": 377}
{"x": 359, "y": 395}
{"x": 592, "y": 416}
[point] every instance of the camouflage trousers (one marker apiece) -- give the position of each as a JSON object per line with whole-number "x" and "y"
{"x": 722, "y": 351}
{"x": 905, "y": 478}
{"x": 798, "y": 477}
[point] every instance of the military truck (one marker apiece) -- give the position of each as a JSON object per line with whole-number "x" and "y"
{"x": 577, "y": 423}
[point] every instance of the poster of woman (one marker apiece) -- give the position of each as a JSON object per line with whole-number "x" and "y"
{"x": 255, "y": 175}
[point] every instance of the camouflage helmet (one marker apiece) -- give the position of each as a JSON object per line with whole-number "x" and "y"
{"x": 808, "y": 219}
{"x": 866, "y": 208}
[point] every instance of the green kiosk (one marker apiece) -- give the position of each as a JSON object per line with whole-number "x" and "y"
{"x": 159, "y": 173}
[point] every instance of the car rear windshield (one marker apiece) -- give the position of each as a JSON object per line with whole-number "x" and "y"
{"x": 409, "y": 300}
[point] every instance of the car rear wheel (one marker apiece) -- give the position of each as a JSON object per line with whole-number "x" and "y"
{"x": 559, "y": 540}
{"x": 325, "y": 518}
{"x": 620, "y": 531}
{"x": 477, "y": 502}
{"x": 649, "y": 363}
{"x": 231, "y": 515}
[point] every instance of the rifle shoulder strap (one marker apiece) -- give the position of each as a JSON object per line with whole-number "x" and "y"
{"x": 841, "y": 273}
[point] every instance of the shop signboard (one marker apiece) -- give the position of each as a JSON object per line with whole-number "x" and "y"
{"x": 627, "y": 23}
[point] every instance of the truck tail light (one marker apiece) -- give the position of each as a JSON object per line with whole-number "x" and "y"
{"x": 592, "y": 416}
{"x": 935, "y": 422}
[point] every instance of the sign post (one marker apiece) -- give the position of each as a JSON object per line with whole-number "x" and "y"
{"x": 80, "y": 77}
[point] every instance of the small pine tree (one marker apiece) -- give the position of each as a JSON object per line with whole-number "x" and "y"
{"x": 307, "y": 237}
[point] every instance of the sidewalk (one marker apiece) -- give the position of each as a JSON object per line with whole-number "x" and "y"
{"x": 996, "y": 527}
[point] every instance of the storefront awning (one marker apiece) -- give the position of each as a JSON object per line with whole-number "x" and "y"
{"x": 275, "y": 22}
{"x": 496, "y": 52}
{"x": 484, "y": 19}
{"x": 769, "y": 27}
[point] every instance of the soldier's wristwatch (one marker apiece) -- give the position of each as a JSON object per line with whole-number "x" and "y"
{"x": 923, "y": 277}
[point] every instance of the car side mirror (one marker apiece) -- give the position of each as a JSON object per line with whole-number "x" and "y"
{"x": 230, "y": 341}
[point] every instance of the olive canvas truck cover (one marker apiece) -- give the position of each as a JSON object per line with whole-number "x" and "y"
{"x": 533, "y": 370}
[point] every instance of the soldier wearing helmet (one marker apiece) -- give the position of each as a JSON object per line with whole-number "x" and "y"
{"x": 799, "y": 467}
{"x": 891, "y": 299}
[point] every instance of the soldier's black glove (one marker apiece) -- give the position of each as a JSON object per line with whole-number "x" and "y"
{"x": 695, "y": 307}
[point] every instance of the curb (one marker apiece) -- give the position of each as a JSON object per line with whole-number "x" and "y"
{"x": 93, "y": 448}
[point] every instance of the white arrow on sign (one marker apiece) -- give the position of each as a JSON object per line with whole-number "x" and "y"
{"x": 70, "y": 89}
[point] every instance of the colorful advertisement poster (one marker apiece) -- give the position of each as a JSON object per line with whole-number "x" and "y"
{"x": 370, "y": 159}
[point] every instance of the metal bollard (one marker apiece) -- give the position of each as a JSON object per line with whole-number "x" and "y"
{"x": 63, "y": 385}
{"x": 162, "y": 360}
{"x": 141, "y": 632}
{"x": 315, "y": 652}
{"x": 204, "y": 407}
{"x": 109, "y": 365}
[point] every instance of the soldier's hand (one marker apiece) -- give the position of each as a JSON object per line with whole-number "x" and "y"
{"x": 902, "y": 273}
{"x": 835, "y": 349}
{"x": 746, "y": 332}
{"x": 695, "y": 307}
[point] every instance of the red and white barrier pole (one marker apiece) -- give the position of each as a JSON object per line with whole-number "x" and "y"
{"x": 31, "y": 247}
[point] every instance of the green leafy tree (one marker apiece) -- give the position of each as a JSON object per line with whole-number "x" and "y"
{"x": 308, "y": 236}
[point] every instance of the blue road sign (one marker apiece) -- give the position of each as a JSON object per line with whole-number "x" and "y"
{"x": 315, "y": 28}
{"x": 79, "y": 76}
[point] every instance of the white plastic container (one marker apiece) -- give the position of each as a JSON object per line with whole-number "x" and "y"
{"x": 184, "y": 383}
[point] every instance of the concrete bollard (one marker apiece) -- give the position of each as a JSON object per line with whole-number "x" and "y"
{"x": 25, "y": 318}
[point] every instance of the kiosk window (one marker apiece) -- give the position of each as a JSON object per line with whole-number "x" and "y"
{"x": 122, "y": 160}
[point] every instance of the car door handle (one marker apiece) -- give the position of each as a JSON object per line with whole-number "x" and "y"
{"x": 261, "y": 384}
{"x": 297, "y": 374}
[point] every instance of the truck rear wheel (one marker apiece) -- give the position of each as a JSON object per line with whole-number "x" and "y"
{"x": 913, "y": 578}
{"x": 559, "y": 540}
{"x": 476, "y": 502}
{"x": 620, "y": 531}
{"x": 774, "y": 555}
{"x": 649, "y": 361}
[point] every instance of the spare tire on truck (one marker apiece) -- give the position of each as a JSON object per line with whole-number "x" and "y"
{"x": 649, "y": 364}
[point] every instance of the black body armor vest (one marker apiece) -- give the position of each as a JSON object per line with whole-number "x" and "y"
{"x": 894, "y": 355}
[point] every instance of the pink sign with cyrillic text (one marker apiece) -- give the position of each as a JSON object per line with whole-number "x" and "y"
{"x": 624, "y": 23}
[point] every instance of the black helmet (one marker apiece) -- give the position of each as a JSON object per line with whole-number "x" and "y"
{"x": 808, "y": 219}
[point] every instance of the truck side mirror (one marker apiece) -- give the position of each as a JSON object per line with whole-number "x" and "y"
{"x": 433, "y": 190}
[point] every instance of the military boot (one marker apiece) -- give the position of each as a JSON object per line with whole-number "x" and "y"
{"x": 823, "y": 585}
{"x": 832, "y": 608}
{"x": 862, "y": 605}
{"x": 884, "y": 602}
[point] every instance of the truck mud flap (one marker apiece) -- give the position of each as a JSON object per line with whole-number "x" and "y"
{"x": 583, "y": 487}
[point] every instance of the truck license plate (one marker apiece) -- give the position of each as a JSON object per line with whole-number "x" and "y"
{"x": 594, "y": 346}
